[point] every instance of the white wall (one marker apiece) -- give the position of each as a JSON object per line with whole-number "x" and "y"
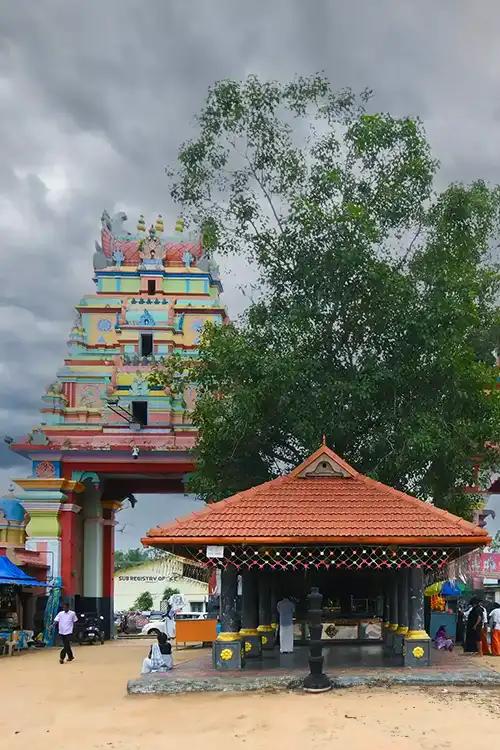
{"x": 155, "y": 576}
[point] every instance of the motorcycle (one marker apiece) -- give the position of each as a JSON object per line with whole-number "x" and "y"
{"x": 91, "y": 629}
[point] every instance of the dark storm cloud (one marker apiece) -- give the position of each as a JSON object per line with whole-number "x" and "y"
{"x": 96, "y": 97}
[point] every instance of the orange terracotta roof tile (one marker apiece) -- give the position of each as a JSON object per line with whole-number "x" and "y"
{"x": 324, "y": 499}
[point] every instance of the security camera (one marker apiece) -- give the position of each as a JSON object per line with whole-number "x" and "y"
{"x": 135, "y": 452}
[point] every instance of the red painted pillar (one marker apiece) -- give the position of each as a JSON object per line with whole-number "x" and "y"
{"x": 71, "y": 546}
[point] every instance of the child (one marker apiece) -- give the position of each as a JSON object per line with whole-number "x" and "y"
{"x": 441, "y": 640}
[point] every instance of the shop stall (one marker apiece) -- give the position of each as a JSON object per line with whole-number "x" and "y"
{"x": 442, "y": 606}
{"x": 15, "y": 587}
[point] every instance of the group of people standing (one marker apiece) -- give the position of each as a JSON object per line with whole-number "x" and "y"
{"x": 476, "y": 629}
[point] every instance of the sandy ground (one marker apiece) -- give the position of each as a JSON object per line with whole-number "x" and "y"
{"x": 84, "y": 705}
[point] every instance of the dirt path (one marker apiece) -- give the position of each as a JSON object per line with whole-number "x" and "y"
{"x": 83, "y": 705}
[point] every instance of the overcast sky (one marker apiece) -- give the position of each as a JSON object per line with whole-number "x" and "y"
{"x": 96, "y": 96}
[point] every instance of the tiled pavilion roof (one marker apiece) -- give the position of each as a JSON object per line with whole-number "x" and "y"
{"x": 324, "y": 500}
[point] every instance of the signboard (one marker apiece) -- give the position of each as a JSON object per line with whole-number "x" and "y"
{"x": 215, "y": 551}
{"x": 488, "y": 563}
{"x": 149, "y": 579}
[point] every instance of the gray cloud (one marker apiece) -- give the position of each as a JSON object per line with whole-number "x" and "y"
{"x": 96, "y": 98}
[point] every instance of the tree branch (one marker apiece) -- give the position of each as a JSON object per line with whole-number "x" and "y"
{"x": 410, "y": 247}
{"x": 268, "y": 197}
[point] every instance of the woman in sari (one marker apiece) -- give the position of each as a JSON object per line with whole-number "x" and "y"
{"x": 160, "y": 656}
{"x": 474, "y": 629}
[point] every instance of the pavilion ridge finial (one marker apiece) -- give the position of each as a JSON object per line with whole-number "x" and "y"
{"x": 324, "y": 439}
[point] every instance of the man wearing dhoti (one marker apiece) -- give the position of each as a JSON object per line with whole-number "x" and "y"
{"x": 286, "y": 608}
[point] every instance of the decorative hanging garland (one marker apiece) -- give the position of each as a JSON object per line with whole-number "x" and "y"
{"x": 347, "y": 558}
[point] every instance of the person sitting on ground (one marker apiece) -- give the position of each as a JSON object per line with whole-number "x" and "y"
{"x": 441, "y": 640}
{"x": 160, "y": 656}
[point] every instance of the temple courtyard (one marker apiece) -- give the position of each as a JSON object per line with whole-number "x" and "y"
{"x": 85, "y": 705}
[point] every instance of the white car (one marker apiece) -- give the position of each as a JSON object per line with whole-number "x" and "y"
{"x": 155, "y": 627}
{"x": 191, "y": 616}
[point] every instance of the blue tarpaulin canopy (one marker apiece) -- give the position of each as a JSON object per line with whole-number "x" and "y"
{"x": 11, "y": 575}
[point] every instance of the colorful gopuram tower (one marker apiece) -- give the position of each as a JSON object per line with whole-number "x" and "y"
{"x": 105, "y": 432}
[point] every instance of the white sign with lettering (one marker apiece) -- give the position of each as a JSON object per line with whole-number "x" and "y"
{"x": 215, "y": 551}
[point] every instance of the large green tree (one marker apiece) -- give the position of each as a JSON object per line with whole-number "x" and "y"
{"x": 374, "y": 314}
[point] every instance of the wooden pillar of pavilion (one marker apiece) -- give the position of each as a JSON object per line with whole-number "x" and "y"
{"x": 250, "y": 637}
{"x": 274, "y": 602}
{"x": 417, "y": 646}
{"x": 393, "y": 611}
{"x": 265, "y": 628}
{"x": 387, "y": 613}
{"x": 386, "y": 583}
{"x": 227, "y": 649}
{"x": 403, "y": 603}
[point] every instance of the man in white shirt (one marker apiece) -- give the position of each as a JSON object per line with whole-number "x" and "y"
{"x": 495, "y": 630}
{"x": 65, "y": 621}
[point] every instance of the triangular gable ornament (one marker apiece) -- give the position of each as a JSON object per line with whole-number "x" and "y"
{"x": 324, "y": 463}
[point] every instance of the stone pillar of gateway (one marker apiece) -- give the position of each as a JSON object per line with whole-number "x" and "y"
{"x": 326, "y": 525}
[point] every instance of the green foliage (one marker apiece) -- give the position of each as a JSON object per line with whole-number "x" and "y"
{"x": 495, "y": 544}
{"x": 378, "y": 305}
{"x": 129, "y": 558}
{"x": 143, "y": 603}
{"x": 172, "y": 373}
{"x": 169, "y": 592}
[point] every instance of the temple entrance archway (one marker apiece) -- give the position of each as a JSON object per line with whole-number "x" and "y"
{"x": 73, "y": 504}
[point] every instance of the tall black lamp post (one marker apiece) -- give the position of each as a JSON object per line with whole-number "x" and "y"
{"x": 316, "y": 681}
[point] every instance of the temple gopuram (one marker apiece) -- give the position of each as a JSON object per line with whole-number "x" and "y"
{"x": 105, "y": 433}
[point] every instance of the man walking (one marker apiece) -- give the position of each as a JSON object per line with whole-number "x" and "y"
{"x": 65, "y": 621}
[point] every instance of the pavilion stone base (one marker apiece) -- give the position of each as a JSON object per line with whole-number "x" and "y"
{"x": 417, "y": 650}
{"x": 252, "y": 643}
{"x": 398, "y": 641}
{"x": 267, "y": 636}
{"x": 227, "y": 653}
{"x": 389, "y": 640}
